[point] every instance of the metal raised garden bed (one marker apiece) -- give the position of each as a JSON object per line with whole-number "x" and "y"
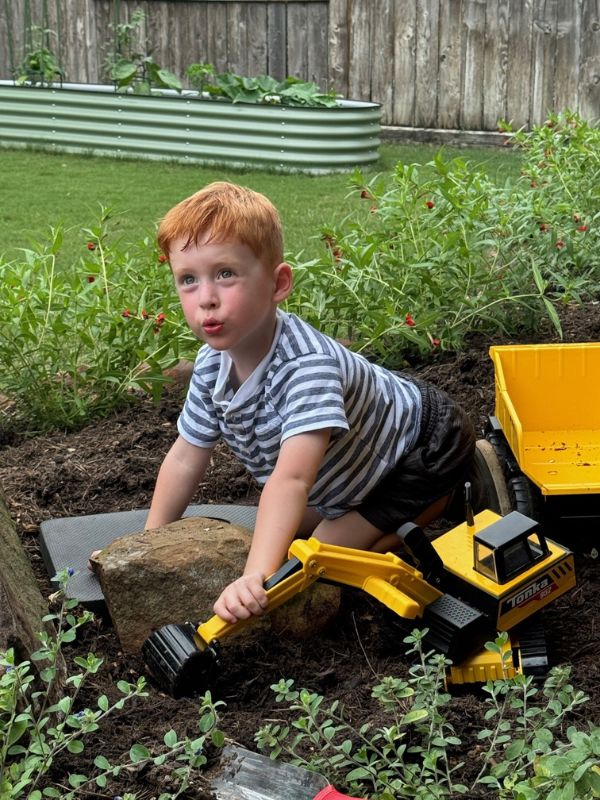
{"x": 81, "y": 118}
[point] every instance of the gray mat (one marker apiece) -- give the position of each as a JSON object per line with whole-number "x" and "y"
{"x": 68, "y": 542}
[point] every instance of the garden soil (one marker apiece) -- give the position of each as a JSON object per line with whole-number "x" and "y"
{"x": 111, "y": 465}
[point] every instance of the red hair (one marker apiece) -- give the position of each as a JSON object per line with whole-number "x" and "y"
{"x": 225, "y": 212}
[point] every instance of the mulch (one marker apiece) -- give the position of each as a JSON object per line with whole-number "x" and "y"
{"x": 111, "y": 465}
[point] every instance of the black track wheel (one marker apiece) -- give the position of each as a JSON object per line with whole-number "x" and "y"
{"x": 178, "y": 661}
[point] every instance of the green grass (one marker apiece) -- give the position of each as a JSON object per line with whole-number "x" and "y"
{"x": 42, "y": 189}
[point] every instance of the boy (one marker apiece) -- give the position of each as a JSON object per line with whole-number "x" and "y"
{"x": 345, "y": 450}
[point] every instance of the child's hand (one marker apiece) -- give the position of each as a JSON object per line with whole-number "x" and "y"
{"x": 242, "y": 599}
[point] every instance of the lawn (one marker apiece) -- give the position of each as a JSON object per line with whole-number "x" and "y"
{"x": 42, "y": 189}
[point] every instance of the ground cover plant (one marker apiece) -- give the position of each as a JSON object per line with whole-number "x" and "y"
{"x": 351, "y": 702}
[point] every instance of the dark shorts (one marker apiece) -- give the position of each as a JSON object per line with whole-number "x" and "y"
{"x": 438, "y": 463}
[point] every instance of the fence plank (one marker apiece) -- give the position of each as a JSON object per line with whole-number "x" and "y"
{"x": 276, "y": 40}
{"x": 518, "y": 78}
{"x": 589, "y": 73}
{"x": 237, "y": 37}
{"x": 450, "y": 78}
{"x": 566, "y": 72}
{"x": 257, "y": 39}
{"x": 382, "y": 82}
{"x": 317, "y": 44}
{"x": 495, "y": 63}
{"x": 427, "y": 64}
{"x": 359, "y": 78}
{"x": 198, "y": 22}
{"x": 297, "y": 50}
{"x": 405, "y": 47}
{"x": 216, "y": 36}
{"x": 473, "y": 47}
{"x": 544, "y": 46}
{"x": 338, "y": 46}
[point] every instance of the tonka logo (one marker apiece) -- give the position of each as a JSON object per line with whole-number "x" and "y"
{"x": 535, "y": 591}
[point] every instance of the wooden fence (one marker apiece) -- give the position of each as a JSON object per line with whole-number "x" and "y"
{"x": 450, "y": 64}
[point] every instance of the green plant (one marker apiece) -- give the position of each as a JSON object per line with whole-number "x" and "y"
{"x": 79, "y": 339}
{"x": 404, "y": 757}
{"x": 34, "y": 731}
{"x": 262, "y": 89}
{"x": 131, "y": 65}
{"x": 408, "y": 753}
{"x": 441, "y": 251}
{"x": 40, "y": 65}
{"x": 523, "y": 759}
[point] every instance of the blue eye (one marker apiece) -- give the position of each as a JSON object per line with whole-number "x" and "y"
{"x": 188, "y": 280}
{"x": 225, "y": 273}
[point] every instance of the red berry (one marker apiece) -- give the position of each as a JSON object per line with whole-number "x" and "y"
{"x": 409, "y": 321}
{"x": 162, "y": 258}
{"x": 126, "y": 313}
{"x": 435, "y": 342}
{"x": 560, "y": 243}
{"x": 544, "y": 226}
{"x": 582, "y": 228}
{"x": 160, "y": 318}
{"x": 429, "y": 203}
{"x": 91, "y": 246}
{"x": 365, "y": 194}
{"x": 90, "y": 279}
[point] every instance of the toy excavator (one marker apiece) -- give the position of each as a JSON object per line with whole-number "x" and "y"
{"x": 489, "y": 574}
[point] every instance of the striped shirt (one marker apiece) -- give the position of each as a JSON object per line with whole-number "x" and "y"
{"x": 306, "y": 382}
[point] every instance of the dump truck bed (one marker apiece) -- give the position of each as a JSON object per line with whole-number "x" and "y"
{"x": 548, "y": 404}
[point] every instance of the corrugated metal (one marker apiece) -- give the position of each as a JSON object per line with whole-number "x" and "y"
{"x": 94, "y": 119}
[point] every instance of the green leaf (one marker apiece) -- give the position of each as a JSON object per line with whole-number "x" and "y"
{"x": 170, "y": 738}
{"x": 101, "y": 763}
{"x": 416, "y": 715}
{"x": 103, "y": 703}
{"x": 75, "y": 746}
{"x": 138, "y": 753}
{"x": 16, "y": 730}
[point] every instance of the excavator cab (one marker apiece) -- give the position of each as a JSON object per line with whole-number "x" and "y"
{"x": 508, "y": 547}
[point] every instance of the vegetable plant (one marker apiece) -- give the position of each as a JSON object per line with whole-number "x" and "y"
{"x": 132, "y": 66}
{"x": 262, "y": 89}
{"x": 40, "y": 65}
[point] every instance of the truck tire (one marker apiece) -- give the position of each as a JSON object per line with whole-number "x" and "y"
{"x": 523, "y": 495}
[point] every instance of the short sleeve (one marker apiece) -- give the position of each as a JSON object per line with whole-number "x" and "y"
{"x": 198, "y": 423}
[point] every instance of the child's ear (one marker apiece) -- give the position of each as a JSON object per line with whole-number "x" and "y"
{"x": 283, "y": 282}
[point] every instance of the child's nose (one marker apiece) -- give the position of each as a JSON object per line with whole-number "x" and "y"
{"x": 207, "y": 295}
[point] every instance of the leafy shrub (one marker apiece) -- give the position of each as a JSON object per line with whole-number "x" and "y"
{"x": 441, "y": 250}
{"x": 408, "y": 753}
{"x": 34, "y": 731}
{"x": 78, "y": 339}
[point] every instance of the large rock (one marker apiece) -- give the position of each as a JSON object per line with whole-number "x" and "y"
{"x": 175, "y": 573}
{"x": 22, "y": 606}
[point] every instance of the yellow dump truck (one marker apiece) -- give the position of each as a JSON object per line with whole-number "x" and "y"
{"x": 544, "y": 438}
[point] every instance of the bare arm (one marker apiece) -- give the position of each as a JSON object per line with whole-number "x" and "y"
{"x": 180, "y": 473}
{"x": 280, "y": 511}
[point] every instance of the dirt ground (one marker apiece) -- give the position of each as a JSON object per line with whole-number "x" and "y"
{"x": 111, "y": 466}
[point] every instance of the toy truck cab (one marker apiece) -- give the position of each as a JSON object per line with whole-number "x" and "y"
{"x": 511, "y": 546}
